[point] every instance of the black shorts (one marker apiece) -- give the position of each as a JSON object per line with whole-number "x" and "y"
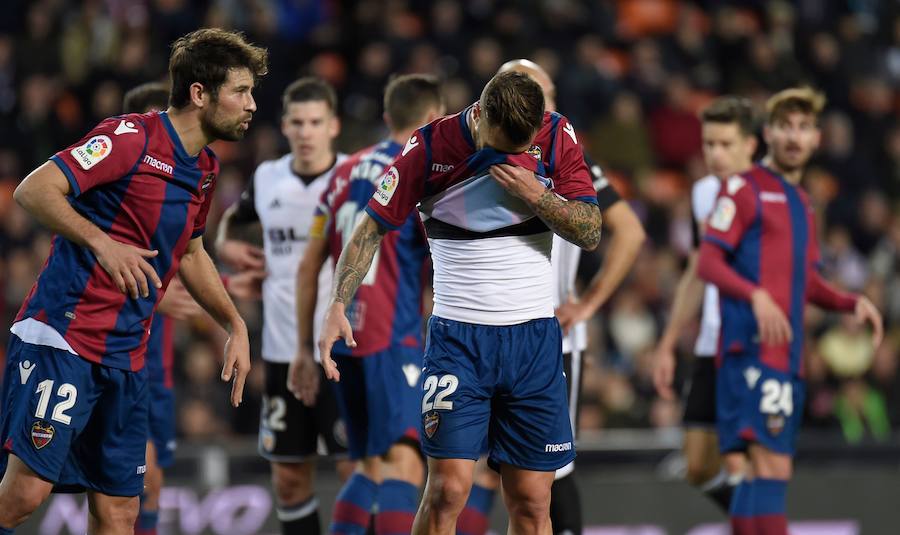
{"x": 289, "y": 431}
{"x": 700, "y": 409}
{"x": 572, "y": 366}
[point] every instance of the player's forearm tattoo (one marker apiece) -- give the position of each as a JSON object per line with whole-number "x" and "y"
{"x": 575, "y": 221}
{"x": 356, "y": 259}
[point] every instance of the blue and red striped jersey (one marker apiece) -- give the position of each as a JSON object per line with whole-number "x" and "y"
{"x": 767, "y": 228}
{"x": 132, "y": 178}
{"x": 441, "y": 159}
{"x": 387, "y": 309}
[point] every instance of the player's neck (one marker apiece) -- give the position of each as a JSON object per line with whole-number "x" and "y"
{"x": 314, "y": 166}
{"x": 402, "y": 136}
{"x": 792, "y": 176}
{"x": 189, "y": 131}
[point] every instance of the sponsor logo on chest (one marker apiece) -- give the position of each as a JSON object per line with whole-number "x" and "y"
{"x": 159, "y": 164}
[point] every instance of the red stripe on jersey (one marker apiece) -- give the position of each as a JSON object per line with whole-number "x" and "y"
{"x": 775, "y": 260}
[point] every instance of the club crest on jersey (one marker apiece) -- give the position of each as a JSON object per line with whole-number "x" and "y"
{"x": 431, "y": 422}
{"x": 775, "y": 424}
{"x": 267, "y": 440}
{"x": 387, "y": 187}
{"x": 92, "y": 152}
{"x": 535, "y": 151}
{"x": 41, "y": 434}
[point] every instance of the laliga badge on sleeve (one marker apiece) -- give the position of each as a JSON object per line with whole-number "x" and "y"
{"x": 41, "y": 434}
{"x": 431, "y": 422}
{"x": 93, "y": 152}
{"x": 388, "y": 186}
{"x": 723, "y": 215}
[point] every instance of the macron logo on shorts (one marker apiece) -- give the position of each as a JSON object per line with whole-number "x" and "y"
{"x": 555, "y": 448}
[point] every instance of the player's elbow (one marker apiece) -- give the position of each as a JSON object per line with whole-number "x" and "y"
{"x": 589, "y": 238}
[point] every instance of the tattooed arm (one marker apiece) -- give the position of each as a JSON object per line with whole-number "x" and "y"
{"x": 354, "y": 263}
{"x": 575, "y": 221}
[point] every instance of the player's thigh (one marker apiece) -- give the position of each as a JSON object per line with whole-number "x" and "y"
{"x": 449, "y": 483}
{"x": 526, "y": 491}
{"x": 458, "y": 378}
{"x": 530, "y": 427}
{"x": 288, "y": 431}
{"x": 768, "y": 464}
{"x": 109, "y": 457}
{"x": 48, "y": 398}
{"x": 701, "y": 452}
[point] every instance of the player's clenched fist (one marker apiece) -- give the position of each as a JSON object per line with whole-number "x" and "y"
{"x": 127, "y": 266}
{"x": 335, "y": 327}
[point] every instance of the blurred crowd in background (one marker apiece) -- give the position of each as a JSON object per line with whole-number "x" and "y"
{"x": 631, "y": 75}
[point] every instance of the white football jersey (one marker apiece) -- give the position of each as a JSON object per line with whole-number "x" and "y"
{"x": 703, "y": 199}
{"x": 285, "y": 206}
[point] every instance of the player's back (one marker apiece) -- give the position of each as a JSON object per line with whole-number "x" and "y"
{"x": 132, "y": 178}
{"x": 776, "y": 251}
{"x": 387, "y": 309}
{"x": 491, "y": 253}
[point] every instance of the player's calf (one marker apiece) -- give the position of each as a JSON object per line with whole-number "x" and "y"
{"x": 297, "y": 508}
{"x": 446, "y": 490}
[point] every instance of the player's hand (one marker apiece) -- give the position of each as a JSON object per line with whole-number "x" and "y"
{"x": 519, "y": 181}
{"x": 335, "y": 327}
{"x": 241, "y": 256}
{"x": 664, "y": 372}
{"x": 246, "y": 285}
{"x": 866, "y": 311}
{"x": 237, "y": 362}
{"x": 774, "y": 328}
{"x": 178, "y": 303}
{"x": 127, "y": 266}
{"x": 572, "y": 313}
{"x": 303, "y": 377}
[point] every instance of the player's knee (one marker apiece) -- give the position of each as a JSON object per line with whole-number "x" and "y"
{"x": 16, "y": 507}
{"x": 115, "y": 514}
{"x": 292, "y": 482}
{"x": 447, "y": 492}
{"x": 530, "y": 503}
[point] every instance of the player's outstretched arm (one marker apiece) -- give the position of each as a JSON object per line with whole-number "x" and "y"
{"x": 199, "y": 275}
{"x": 628, "y": 238}
{"x": 688, "y": 296}
{"x": 824, "y": 295}
{"x": 43, "y": 195}
{"x": 352, "y": 267}
{"x": 575, "y": 221}
{"x": 303, "y": 376}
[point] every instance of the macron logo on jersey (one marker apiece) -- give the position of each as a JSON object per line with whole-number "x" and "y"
{"x": 157, "y": 164}
{"x": 410, "y": 145}
{"x": 25, "y": 369}
{"x": 569, "y": 129}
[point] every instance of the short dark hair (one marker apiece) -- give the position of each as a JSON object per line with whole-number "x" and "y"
{"x": 146, "y": 97}
{"x": 310, "y": 89}
{"x": 731, "y": 110}
{"x": 408, "y": 98}
{"x": 796, "y": 99}
{"x": 514, "y": 102}
{"x": 206, "y": 56}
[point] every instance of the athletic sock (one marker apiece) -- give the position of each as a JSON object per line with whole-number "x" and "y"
{"x": 565, "y": 506}
{"x": 146, "y": 522}
{"x": 397, "y": 504}
{"x": 473, "y": 520}
{"x": 353, "y": 506}
{"x": 299, "y": 518}
{"x": 769, "y": 501}
{"x": 720, "y": 489}
{"x": 741, "y": 512}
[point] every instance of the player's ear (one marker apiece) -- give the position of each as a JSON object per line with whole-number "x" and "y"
{"x": 335, "y": 129}
{"x": 196, "y": 92}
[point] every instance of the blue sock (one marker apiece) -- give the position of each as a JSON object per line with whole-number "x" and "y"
{"x": 741, "y": 513}
{"x": 397, "y": 504}
{"x": 353, "y": 506}
{"x": 769, "y": 501}
{"x": 4, "y": 531}
{"x": 474, "y": 518}
{"x": 147, "y": 520}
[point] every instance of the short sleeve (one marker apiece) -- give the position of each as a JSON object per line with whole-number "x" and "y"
{"x": 107, "y": 153}
{"x": 403, "y": 184}
{"x": 571, "y": 177}
{"x": 734, "y": 212}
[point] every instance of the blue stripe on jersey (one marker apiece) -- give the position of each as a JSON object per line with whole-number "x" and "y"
{"x": 554, "y": 123}
{"x": 800, "y": 231}
{"x": 427, "y": 131}
{"x": 590, "y": 199}
{"x": 171, "y": 224}
{"x": 64, "y": 167}
{"x": 153, "y": 360}
{"x": 464, "y": 127}
{"x": 380, "y": 220}
{"x": 408, "y": 301}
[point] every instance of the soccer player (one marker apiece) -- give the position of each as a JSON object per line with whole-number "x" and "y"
{"x": 492, "y": 183}
{"x": 178, "y": 304}
{"x": 380, "y": 392}
{"x": 128, "y": 203}
{"x": 729, "y": 142}
{"x": 628, "y": 237}
{"x": 282, "y": 197}
{"x": 760, "y": 250}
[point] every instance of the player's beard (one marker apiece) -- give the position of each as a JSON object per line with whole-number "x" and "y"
{"x": 220, "y": 127}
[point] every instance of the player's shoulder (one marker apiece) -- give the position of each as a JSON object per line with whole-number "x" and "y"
{"x": 448, "y": 133}
{"x": 706, "y": 187}
{"x": 129, "y": 129}
{"x": 273, "y": 169}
